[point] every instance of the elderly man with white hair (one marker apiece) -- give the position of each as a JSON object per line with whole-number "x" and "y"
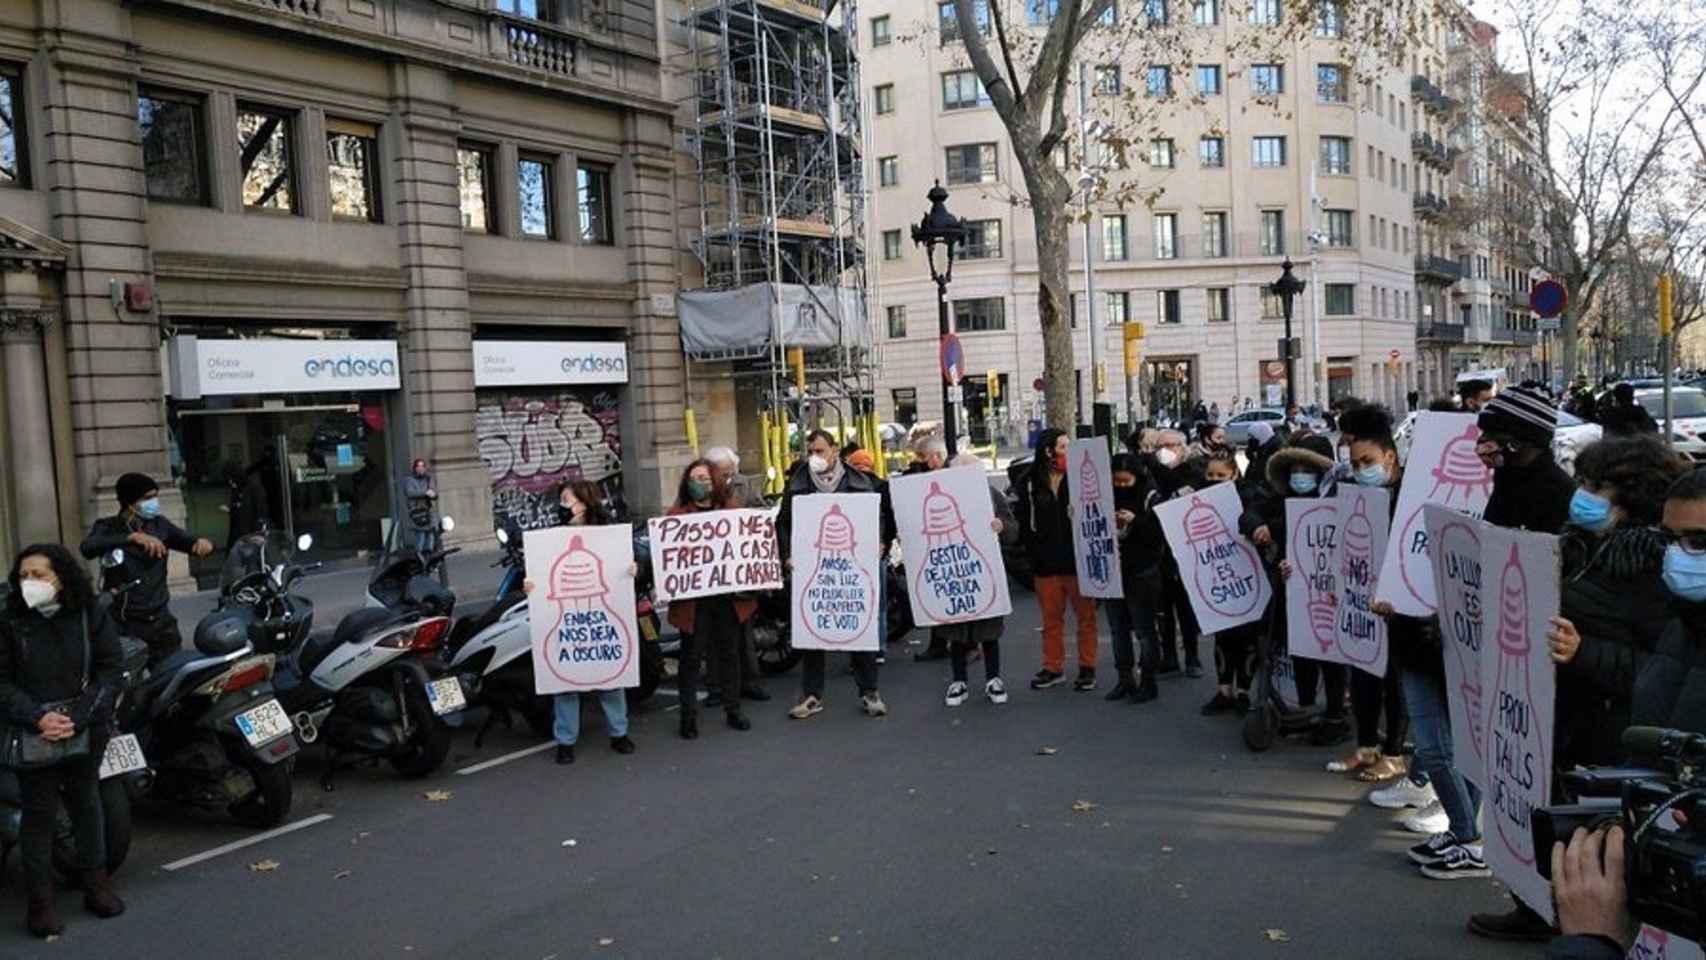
{"x": 744, "y": 491}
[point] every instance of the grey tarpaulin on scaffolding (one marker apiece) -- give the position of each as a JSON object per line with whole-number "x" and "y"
{"x": 725, "y": 323}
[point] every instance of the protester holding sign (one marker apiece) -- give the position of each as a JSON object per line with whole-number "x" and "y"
{"x": 1044, "y": 512}
{"x": 1301, "y": 472}
{"x": 1141, "y": 549}
{"x": 715, "y": 622}
{"x": 1232, "y": 645}
{"x": 958, "y": 639}
{"x": 824, "y": 472}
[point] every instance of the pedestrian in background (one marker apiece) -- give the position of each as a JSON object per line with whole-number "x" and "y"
{"x": 422, "y": 500}
{"x": 145, "y": 536}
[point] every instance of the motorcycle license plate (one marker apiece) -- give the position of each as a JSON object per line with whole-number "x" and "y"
{"x": 123, "y": 755}
{"x": 265, "y": 723}
{"x": 446, "y": 696}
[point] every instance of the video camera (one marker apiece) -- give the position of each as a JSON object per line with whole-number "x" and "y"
{"x": 1665, "y": 861}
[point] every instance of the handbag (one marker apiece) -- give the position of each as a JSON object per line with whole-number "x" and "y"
{"x": 24, "y": 748}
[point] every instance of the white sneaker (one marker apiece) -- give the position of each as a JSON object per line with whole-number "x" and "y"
{"x": 956, "y": 694}
{"x": 1427, "y": 821}
{"x": 874, "y": 705}
{"x": 1402, "y": 793}
{"x": 995, "y": 690}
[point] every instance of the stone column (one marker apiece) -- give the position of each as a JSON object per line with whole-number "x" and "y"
{"x": 29, "y": 425}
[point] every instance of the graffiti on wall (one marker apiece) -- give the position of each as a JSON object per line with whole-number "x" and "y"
{"x": 532, "y": 441}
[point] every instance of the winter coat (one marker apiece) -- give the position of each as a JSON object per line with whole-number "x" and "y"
{"x": 149, "y": 597}
{"x": 1627, "y": 421}
{"x": 416, "y": 492}
{"x": 1045, "y": 526}
{"x": 1612, "y": 591}
{"x": 1535, "y": 497}
{"x": 682, "y": 612}
{"x": 41, "y": 661}
{"x": 1267, "y": 507}
{"x": 1670, "y": 689}
{"x": 1142, "y": 544}
{"x": 852, "y": 481}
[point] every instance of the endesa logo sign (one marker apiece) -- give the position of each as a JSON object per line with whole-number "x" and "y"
{"x": 593, "y": 364}
{"x": 348, "y": 367}
{"x": 514, "y": 363}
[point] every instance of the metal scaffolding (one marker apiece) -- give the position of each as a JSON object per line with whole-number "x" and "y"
{"x": 778, "y": 147}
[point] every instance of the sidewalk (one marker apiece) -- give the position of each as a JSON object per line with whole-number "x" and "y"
{"x": 337, "y": 592}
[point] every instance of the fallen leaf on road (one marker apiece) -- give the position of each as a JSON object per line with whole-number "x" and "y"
{"x": 1082, "y": 806}
{"x": 606, "y": 941}
{"x": 52, "y": 937}
{"x": 340, "y": 875}
{"x": 1166, "y": 849}
{"x": 264, "y": 866}
{"x": 834, "y": 939}
{"x": 570, "y": 842}
{"x": 1276, "y": 935}
{"x": 1047, "y": 751}
{"x": 436, "y": 796}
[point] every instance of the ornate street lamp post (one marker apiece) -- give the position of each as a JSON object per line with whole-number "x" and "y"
{"x": 939, "y": 228}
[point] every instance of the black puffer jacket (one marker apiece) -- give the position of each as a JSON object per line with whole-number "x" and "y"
{"x": 1670, "y": 689}
{"x": 41, "y": 661}
{"x": 1267, "y": 508}
{"x": 1142, "y": 545}
{"x": 1045, "y": 526}
{"x": 1535, "y": 497}
{"x": 1613, "y": 593}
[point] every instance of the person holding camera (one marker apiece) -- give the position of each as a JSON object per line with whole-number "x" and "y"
{"x": 1589, "y": 890}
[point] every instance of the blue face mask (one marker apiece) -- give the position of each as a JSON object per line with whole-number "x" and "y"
{"x": 1304, "y": 483}
{"x": 1685, "y": 573}
{"x": 1373, "y": 475}
{"x": 1590, "y": 511}
{"x": 149, "y": 508}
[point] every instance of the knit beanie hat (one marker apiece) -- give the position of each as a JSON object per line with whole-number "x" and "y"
{"x": 1521, "y": 413}
{"x": 133, "y": 487}
{"x": 1315, "y": 443}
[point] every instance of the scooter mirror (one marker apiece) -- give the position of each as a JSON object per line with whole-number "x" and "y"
{"x": 503, "y": 536}
{"x": 447, "y": 524}
{"x": 114, "y": 559}
{"x": 304, "y": 541}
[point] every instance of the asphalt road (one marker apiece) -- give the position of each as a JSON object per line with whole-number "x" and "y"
{"x": 932, "y": 832}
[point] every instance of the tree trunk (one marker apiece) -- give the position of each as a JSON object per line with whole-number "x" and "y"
{"x": 1049, "y": 198}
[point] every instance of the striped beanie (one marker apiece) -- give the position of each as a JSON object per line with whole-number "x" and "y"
{"x": 1521, "y": 413}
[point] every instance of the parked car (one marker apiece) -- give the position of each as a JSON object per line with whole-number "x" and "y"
{"x": 1238, "y": 427}
{"x": 1688, "y": 412}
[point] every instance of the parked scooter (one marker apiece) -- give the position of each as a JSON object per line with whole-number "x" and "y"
{"x": 204, "y": 730}
{"x": 377, "y": 687}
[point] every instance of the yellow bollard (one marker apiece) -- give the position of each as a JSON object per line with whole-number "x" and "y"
{"x": 692, "y": 430}
{"x": 764, "y": 445}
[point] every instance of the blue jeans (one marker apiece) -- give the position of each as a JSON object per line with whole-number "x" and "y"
{"x": 423, "y": 540}
{"x": 1430, "y": 727}
{"x": 567, "y": 707}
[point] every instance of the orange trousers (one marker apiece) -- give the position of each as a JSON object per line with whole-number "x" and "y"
{"x": 1053, "y": 595}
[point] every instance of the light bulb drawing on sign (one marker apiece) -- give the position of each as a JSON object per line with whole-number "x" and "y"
{"x": 1313, "y": 542}
{"x": 1358, "y": 632}
{"x": 839, "y": 601}
{"x": 1517, "y": 760}
{"x": 1461, "y": 481}
{"x": 1226, "y": 568}
{"x": 952, "y": 583}
{"x": 1094, "y": 526}
{"x": 591, "y": 644}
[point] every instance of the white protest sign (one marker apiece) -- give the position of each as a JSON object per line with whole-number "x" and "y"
{"x": 714, "y": 552}
{"x": 1094, "y": 546}
{"x": 1521, "y": 571}
{"x": 1455, "y": 543}
{"x": 1444, "y": 470}
{"x": 585, "y": 632}
{"x": 1222, "y": 574}
{"x": 1363, "y": 525}
{"x": 1656, "y": 944}
{"x": 835, "y": 548}
{"x": 945, "y": 522}
{"x": 1312, "y": 590}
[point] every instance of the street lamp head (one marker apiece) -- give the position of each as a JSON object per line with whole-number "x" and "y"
{"x": 1287, "y": 286}
{"x": 938, "y": 225}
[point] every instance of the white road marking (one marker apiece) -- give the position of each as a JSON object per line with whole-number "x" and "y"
{"x": 498, "y": 761}
{"x": 246, "y": 842}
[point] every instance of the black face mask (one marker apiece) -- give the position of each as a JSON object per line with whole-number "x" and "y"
{"x": 565, "y": 516}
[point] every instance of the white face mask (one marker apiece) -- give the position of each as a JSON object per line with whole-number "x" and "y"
{"x": 1166, "y": 456}
{"x": 37, "y": 593}
{"x": 817, "y": 464}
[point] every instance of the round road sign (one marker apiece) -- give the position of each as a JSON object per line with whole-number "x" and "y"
{"x": 953, "y": 359}
{"x": 1548, "y": 298}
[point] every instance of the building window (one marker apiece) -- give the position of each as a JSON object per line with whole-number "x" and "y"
{"x": 1214, "y": 234}
{"x": 1211, "y": 152}
{"x": 1331, "y": 85}
{"x": 1267, "y": 79}
{"x": 980, "y": 315}
{"x": 1161, "y": 153}
{"x": 905, "y": 404}
{"x": 545, "y": 10}
{"x": 1265, "y": 12}
{"x": 1108, "y": 80}
{"x": 891, "y": 244}
{"x": 897, "y": 322}
{"x": 882, "y": 32}
{"x": 948, "y": 22}
{"x": 885, "y": 98}
{"x": 1113, "y": 237}
{"x": 1208, "y": 79}
{"x": 888, "y": 171}
{"x": 1339, "y": 224}
{"x": 1158, "y": 80}
{"x": 972, "y": 163}
{"x": 352, "y": 169}
{"x": 1273, "y": 308}
{"x": 1167, "y": 306}
{"x": 1041, "y": 13}
{"x": 592, "y": 192}
{"x": 1166, "y": 236}
{"x": 14, "y": 159}
{"x": 1155, "y": 12}
{"x": 1273, "y": 233}
{"x": 1268, "y": 151}
{"x": 1373, "y": 224}
{"x": 961, "y": 90}
{"x": 474, "y": 183}
{"x": 533, "y": 197}
{"x": 1219, "y": 305}
{"x": 1205, "y": 13}
{"x": 1336, "y": 155}
{"x": 983, "y": 240}
{"x": 1330, "y": 19}
{"x": 1341, "y": 299}
{"x": 173, "y": 151}
{"x": 1116, "y": 307}
{"x": 264, "y": 158}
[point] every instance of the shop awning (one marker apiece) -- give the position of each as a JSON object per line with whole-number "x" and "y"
{"x": 720, "y": 324}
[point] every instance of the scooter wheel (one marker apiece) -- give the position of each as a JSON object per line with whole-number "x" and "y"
{"x": 430, "y": 743}
{"x": 270, "y": 803}
{"x": 1261, "y": 726}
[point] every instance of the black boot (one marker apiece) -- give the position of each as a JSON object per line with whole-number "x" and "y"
{"x": 1146, "y": 691}
{"x": 42, "y": 917}
{"x": 1124, "y": 685}
{"x": 689, "y": 726}
{"x": 738, "y": 720}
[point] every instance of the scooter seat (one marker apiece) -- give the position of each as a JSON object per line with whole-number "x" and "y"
{"x": 351, "y": 629}
{"x": 161, "y": 673}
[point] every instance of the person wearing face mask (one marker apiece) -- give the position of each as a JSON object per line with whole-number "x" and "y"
{"x": 711, "y": 627}
{"x": 1173, "y": 475}
{"x": 1044, "y": 512}
{"x": 145, "y": 536}
{"x": 824, "y": 472}
{"x": 1232, "y": 646}
{"x": 1142, "y": 546}
{"x": 60, "y": 669}
{"x": 1670, "y": 690}
{"x": 1530, "y": 490}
